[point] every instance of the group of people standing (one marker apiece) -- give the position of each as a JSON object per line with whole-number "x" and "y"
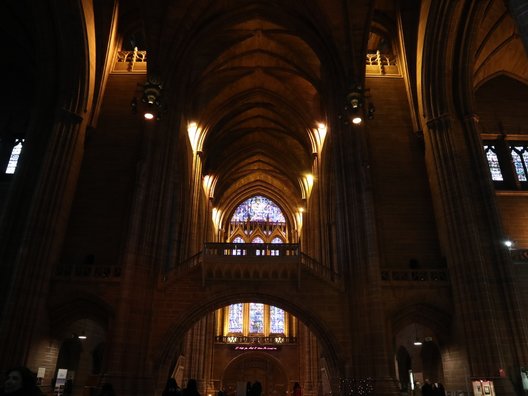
{"x": 432, "y": 389}
{"x": 172, "y": 388}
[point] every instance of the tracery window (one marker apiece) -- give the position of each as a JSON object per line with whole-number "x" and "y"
{"x": 508, "y": 163}
{"x": 493, "y": 162}
{"x": 520, "y": 158}
{"x": 254, "y": 319}
{"x": 258, "y": 208}
{"x": 257, "y": 220}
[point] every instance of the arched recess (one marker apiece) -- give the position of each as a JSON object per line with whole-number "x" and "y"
{"x": 429, "y": 325}
{"x": 163, "y": 353}
{"x": 500, "y": 104}
{"x": 83, "y": 305}
{"x": 434, "y": 318}
{"x": 256, "y": 366}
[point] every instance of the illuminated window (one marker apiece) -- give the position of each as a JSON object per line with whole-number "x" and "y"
{"x": 256, "y": 318}
{"x": 493, "y": 162}
{"x": 520, "y": 159}
{"x": 258, "y": 208}
{"x": 236, "y": 318}
{"x": 14, "y": 157}
{"x": 276, "y": 320}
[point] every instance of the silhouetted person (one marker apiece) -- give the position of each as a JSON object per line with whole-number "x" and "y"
{"x": 438, "y": 389}
{"x": 248, "y": 388}
{"x": 427, "y": 388}
{"x": 20, "y": 381}
{"x": 191, "y": 389}
{"x": 172, "y": 388}
{"x": 256, "y": 389}
{"x": 297, "y": 389}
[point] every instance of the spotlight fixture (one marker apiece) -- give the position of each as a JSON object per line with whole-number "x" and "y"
{"x": 153, "y": 105}
{"x": 355, "y": 105}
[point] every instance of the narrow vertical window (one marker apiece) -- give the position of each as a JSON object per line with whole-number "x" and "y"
{"x": 256, "y": 318}
{"x": 519, "y": 157}
{"x": 493, "y": 162}
{"x": 15, "y": 155}
{"x": 276, "y": 320}
{"x": 236, "y": 318}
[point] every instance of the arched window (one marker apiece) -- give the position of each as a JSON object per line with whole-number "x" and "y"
{"x": 258, "y": 208}
{"x": 258, "y": 220}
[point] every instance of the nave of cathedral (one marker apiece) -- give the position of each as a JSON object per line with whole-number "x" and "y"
{"x": 324, "y": 192}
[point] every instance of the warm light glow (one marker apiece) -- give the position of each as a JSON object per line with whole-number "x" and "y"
{"x": 508, "y": 243}
{"x": 357, "y": 120}
{"x": 82, "y": 337}
{"x": 208, "y": 181}
{"x": 216, "y": 214}
{"x": 194, "y": 135}
{"x": 301, "y": 209}
{"x": 148, "y": 116}
{"x": 417, "y": 343}
{"x": 307, "y": 183}
{"x": 319, "y": 136}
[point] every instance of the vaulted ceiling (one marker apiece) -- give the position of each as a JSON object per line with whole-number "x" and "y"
{"x": 256, "y": 77}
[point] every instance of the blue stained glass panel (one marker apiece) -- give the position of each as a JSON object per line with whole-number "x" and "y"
{"x": 493, "y": 163}
{"x": 258, "y": 208}
{"x": 520, "y": 157}
{"x": 256, "y": 318}
{"x": 236, "y": 318}
{"x": 276, "y": 320}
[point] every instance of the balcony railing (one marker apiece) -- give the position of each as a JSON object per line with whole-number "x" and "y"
{"x": 131, "y": 61}
{"x": 251, "y": 249}
{"x": 435, "y": 275}
{"x": 274, "y": 339}
{"x": 89, "y": 271}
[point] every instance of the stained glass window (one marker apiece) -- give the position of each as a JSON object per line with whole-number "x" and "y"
{"x": 236, "y": 318}
{"x": 520, "y": 159}
{"x": 15, "y": 155}
{"x": 276, "y": 320}
{"x": 493, "y": 162}
{"x": 258, "y": 208}
{"x": 256, "y": 318}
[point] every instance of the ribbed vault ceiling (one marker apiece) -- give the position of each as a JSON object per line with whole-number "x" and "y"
{"x": 253, "y": 73}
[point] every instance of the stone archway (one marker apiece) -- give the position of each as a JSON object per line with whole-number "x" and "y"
{"x": 255, "y": 366}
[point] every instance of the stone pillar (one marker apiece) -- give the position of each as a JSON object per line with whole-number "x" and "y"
{"x": 40, "y": 202}
{"x": 480, "y": 270}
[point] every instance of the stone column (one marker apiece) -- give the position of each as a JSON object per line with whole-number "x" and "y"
{"x": 33, "y": 231}
{"x": 481, "y": 273}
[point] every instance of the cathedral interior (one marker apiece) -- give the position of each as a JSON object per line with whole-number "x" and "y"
{"x": 328, "y": 192}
